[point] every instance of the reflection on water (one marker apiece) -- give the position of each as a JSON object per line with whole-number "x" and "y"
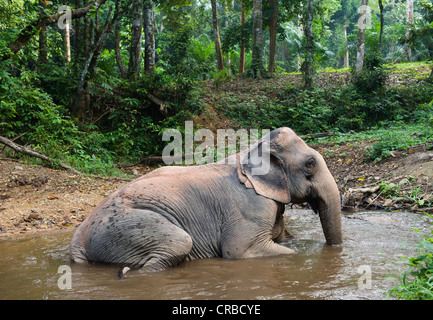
{"x": 373, "y": 241}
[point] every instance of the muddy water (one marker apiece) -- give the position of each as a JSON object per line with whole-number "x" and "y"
{"x": 373, "y": 244}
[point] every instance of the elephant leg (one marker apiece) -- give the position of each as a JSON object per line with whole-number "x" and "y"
{"x": 140, "y": 239}
{"x": 267, "y": 248}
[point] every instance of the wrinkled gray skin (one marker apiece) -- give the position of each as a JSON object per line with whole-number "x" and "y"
{"x": 174, "y": 214}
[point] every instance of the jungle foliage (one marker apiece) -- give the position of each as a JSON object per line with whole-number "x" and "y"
{"x": 101, "y": 92}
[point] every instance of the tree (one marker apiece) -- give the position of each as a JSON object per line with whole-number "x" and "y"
{"x": 136, "y": 36}
{"x": 409, "y": 21}
{"x": 381, "y": 24}
{"x": 216, "y": 33}
{"x": 149, "y": 33}
{"x": 309, "y": 48}
{"x": 123, "y": 70}
{"x": 362, "y": 23}
{"x": 43, "y": 50}
{"x": 257, "y": 35}
{"x": 346, "y": 52}
{"x": 242, "y": 43}
{"x": 273, "y": 35}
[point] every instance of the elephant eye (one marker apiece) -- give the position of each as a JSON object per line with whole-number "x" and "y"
{"x": 310, "y": 166}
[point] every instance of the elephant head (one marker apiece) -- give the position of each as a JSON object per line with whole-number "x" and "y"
{"x": 280, "y": 166}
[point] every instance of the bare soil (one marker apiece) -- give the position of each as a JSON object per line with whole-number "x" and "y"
{"x": 404, "y": 181}
{"x": 40, "y": 199}
{"x": 36, "y": 198}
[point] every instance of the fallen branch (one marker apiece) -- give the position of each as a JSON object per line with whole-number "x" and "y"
{"x": 364, "y": 190}
{"x": 33, "y": 153}
{"x": 317, "y": 135}
{"x": 162, "y": 105}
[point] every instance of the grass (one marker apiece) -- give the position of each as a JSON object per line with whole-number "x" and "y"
{"x": 416, "y": 283}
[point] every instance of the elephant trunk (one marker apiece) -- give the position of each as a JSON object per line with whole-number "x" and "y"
{"x": 328, "y": 205}
{"x": 330, "y": 219}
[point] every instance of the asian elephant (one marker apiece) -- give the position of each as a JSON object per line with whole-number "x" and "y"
{"x": 223, "y": 209}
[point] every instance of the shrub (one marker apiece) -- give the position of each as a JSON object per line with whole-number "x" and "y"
{"x": 373, "y": 76}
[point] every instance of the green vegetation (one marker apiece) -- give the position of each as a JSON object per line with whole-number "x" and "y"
{"x": 104, "y": 97}
{"x": 366, "y": 108}
{"x": 417, "y": 280}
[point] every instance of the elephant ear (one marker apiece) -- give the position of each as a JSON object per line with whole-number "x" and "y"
{"x": 260, "y": 167}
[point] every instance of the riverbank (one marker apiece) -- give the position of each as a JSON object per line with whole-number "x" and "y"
{"x": 40, "y": 199}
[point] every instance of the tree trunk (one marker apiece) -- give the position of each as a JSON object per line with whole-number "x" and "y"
{"x": 362, "y": 23}
{"x": 273, "y": 35}
{"x": 149, "y": 33}
{"x": 409, "y": 22}
{"x": 123, "y": 70}
{"x": 78, "y": 43}
{"x": 136, "y": 36}
{"x": 346, "y": 53}
{"x": 226, "y": 24}
{"x": 216, "y": 33}
{"x": 67, "y": 43}
{"x": 381, "y": 25}
{"x": 309, "y": 57}
{"x": 257, "y": 50}
{"x": 242, "y": 44}
{"x": 29, "y": 31}
{"x": 43, "y": 50}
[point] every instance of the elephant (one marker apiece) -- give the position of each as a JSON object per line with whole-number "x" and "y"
{"x": 180, "y": 213}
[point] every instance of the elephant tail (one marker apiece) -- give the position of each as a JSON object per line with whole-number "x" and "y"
{"x": 78, "y": 249}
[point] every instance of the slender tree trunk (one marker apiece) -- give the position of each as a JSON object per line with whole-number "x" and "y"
{"x": 409, "y": 21}
{"x": 136, "y": 36}
{"x": 242, "y": 44}
{"x": 381, "y": 25}
{"x": 67, "y": 42}
{"x": 149, "y": 33}
{"x": 362, "y": 23}
{"x": 257, "y": 52}
{"x": 346, "y": 53}
{"x": 122, "y": 69}
{"x": 43, "y": 51}
{"x": 273, "y": 35}
{"x": 87, "y": 26}
{"x": 78, "y": 43}
{"x": 309, "y": 57}
{"x": 226, "y": 24}
{"x": 301, "y": 32}
{"x": 216, "y": 33}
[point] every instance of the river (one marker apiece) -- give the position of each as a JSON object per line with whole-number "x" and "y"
{"x": 374, "y": 244}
